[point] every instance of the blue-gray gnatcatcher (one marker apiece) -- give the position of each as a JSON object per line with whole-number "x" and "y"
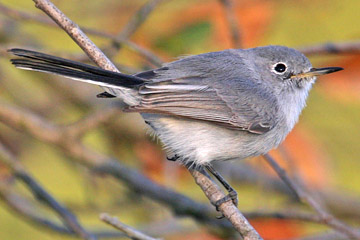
{"x": 215, "y": 106}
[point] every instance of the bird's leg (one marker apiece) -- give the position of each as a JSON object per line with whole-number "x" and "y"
{"x": 232, "y": 194}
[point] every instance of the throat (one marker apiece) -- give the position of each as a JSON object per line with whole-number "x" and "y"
{"x": 292, "y": 105}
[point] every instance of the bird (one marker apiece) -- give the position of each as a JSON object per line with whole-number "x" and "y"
{"x": 217, "y": 106}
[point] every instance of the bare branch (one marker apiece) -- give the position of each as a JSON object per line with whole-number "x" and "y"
{"x": 228, "y": 209}
{"x": 129, "y": 231}
{"x": 26, "y": 210}
{"x": 138, "y": 19}
{"x": 332, "y": 48}
{"x": 20, "y": 15}
{"x": 326, "y": 218}
{"x": 283, "y": 175}
{"x": 151, "y": 57}
{"x": 69, "y": 219}
{"x": 17, "y": 204}
{"x": 73, "y": 30}
{"x": 325, "y": 236}
{"x": 291, "y": 215}
{"x": 234, "y": 27}
{"x": 133, "y": 24}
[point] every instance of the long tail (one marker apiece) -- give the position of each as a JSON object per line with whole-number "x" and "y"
{"x": 36, "y": 61}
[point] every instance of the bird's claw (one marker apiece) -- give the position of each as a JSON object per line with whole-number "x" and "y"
{"x": 173, "y": 158}
{"x": 232, "y": 196}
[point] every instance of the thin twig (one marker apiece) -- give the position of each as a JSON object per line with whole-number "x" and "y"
{"x": 332, "y": 48}
{"x": 20, "y": 15}
{"x": 147, "y": 54}
{"x": 234, "y": 27}
{"x": 324, "y": 236}
{"x": 138, "y": 19}
{"x": 41, "y": 194}
{"x": 228, "y": 209}
{"x": 129, "y": 231}
{"x": 326, "y": 218}
{"x": 134, "y": 23}
{"x": 283, "y": 176}
{"x": 289, "y": 215}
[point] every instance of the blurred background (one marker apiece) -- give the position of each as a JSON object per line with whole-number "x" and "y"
{"x": 322, "y": 151}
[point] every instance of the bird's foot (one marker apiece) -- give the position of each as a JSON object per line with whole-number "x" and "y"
{"x": 232, "y": 196}
{"x": 173, "y": 158}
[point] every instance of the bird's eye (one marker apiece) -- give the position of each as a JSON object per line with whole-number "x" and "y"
{"x": 279, "y": 68}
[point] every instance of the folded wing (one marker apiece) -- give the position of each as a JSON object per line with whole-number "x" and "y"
{"x": 232, "y": 102}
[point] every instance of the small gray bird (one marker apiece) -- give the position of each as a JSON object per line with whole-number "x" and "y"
{"x": 216, "y": 106}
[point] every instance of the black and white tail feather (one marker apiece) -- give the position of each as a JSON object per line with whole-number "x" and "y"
{"x": 116, "y": 84}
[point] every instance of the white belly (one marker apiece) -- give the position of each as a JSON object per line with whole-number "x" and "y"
{"x": 202, "y": 143}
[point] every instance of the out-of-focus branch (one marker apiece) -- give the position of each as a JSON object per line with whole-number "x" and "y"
{"x": 91, "y": 121}
{"x": 17, "y": 204}
{"x": 332, "y": 48}
{"x": 326, "y": 236}
{"x": 138, "y": 19}
{"x": 26, "y": 210}
{"x": 129, "y": 231}
{"x": 325, "y": 217}
{"x": 133, "y": 24}
{"x": 69, "y": 219}
{"x": 285, "y": 214}
{"x": 24, "y": 16}
{"x": 147, "y": 54}
{"x": 234, "y": 27}
{"x": 228, "y": 209}
{"x": 45, "y": 131}
{"x": 337, "y": 201}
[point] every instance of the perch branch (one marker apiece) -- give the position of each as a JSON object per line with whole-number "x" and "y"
{"x": 228, "y": 209}
{"x": 79, "y": 37}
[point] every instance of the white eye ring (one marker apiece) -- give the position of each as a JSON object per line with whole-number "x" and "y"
{"x": 279, "y": 68}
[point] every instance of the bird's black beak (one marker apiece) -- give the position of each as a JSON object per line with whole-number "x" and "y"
{"x": 313, "y": 72}
{"x": 323, "y": 71}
